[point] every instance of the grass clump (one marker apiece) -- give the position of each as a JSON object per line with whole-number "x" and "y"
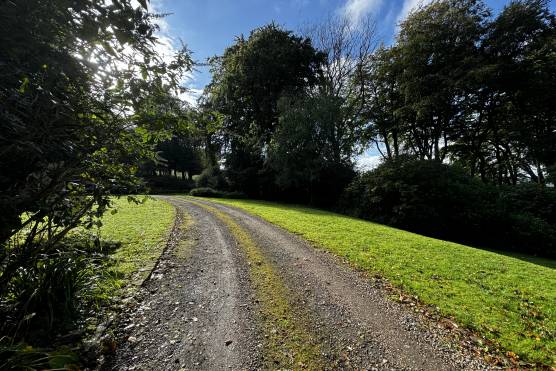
{"x": 511, "y": 299}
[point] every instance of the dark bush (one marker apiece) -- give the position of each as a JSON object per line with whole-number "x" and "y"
{"x": 168, "y": 184}
{"x": 209, "y": 192}
{"x": 211, "y": 177}
{"x": 206, "y": 192}
{"x": 48, "y": 297}
{"x": 442, "y": 201}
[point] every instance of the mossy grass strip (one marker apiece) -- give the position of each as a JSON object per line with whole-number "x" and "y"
{"x": 185, "y": 245}
{"x": 288, "y": 343}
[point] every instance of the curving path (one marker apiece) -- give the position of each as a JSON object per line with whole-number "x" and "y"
{"x": 234, "y": 292}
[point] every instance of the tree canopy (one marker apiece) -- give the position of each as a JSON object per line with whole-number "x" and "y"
{"x": 84, "y": 97}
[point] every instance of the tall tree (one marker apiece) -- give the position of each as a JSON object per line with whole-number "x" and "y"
{"x": 347, "y": 47}
{"x": 521, "y": 47}
{"x": 438, "y": 47}
{"x": 248, "y": 81}
{"x": 383, "y": 107}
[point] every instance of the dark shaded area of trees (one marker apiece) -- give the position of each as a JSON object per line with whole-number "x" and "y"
{"x": 290, "y": 124}
{"x": 462, "y": 87}
{"x": 443, "y": 201}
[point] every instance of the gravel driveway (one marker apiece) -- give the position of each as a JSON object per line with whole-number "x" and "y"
{"x": 207, "y": 307}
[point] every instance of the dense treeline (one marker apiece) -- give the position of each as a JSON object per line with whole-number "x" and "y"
{"x": 460, "y": 86}
{"x": 291, "y": 122}
{"x": 467, "y": 91}
{"x": 457, "y": 85}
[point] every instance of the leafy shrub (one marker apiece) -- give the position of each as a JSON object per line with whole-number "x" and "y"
{"x": 47, "y": 298}
{"x": 205, "y": 192}
{"x": 168, "y": 184}
{"x": 211, "y": 177}
{"x": 439, "y": 200}
{"x": 22, "y": 356}
{"x": 209, "y": 192}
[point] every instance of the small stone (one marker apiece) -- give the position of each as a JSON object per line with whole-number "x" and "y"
{"x": 132, "y": 339}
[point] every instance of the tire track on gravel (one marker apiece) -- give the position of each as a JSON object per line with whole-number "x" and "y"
{"x": 288, "y": 341}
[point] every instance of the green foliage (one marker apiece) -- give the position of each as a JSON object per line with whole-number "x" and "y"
{"x": 460, "y": 85}
{"x": 25, "y": 357}
{"x": 444, "y": 201}
{"x": 211, "y": 177}
{"x": 46, "y": 298}
{"x": 311, "y": 159}
{"x": 511, "y": 299}
{"x": 248, "y": 80}
{"x": 160, "y": 184}
{"x": 254, "y": 73}
{"x": 77, "y": 116}
{"x": 209, "y": 192}
{"x": 181, "y": 153}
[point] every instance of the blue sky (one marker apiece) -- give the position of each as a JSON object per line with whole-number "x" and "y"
{"x": 207, "y": 27}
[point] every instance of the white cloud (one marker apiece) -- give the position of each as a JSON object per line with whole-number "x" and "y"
{"x": 367, "y": 161}
{"x": 168, "y": 46}
{"x": 408, "y": 6}
{"x": 357, "y": 9}
{"x": 191, "y": 95}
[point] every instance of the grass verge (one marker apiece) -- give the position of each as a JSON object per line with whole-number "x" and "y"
{"x": 510, "y": 299}
{"x": 288, "y": 344}
{"x": 141, "y": 231}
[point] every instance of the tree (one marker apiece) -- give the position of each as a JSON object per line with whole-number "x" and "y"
{"x": 84, "y": 97}
{"x": 383, "y": 106}
{"x": 312, "y": 164}
{"x": 347, "y": 47}
{"x": 521, "y": 48}
{"x": 462, "y": 86}
{"x": 182, "y": 153}
{"x": 248, "y": 81}
{"x": 437, "y": 47}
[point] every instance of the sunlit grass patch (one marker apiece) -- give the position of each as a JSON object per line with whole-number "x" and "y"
{"x": 141, "y": 231}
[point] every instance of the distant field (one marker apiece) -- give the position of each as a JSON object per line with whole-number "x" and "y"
{"x": 509, "y": 299}
{"x": 142, "y": 230}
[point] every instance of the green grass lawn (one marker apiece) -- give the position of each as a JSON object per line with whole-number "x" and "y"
{"x": 142, "y": 231}
{"x": 509, "y": 299}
